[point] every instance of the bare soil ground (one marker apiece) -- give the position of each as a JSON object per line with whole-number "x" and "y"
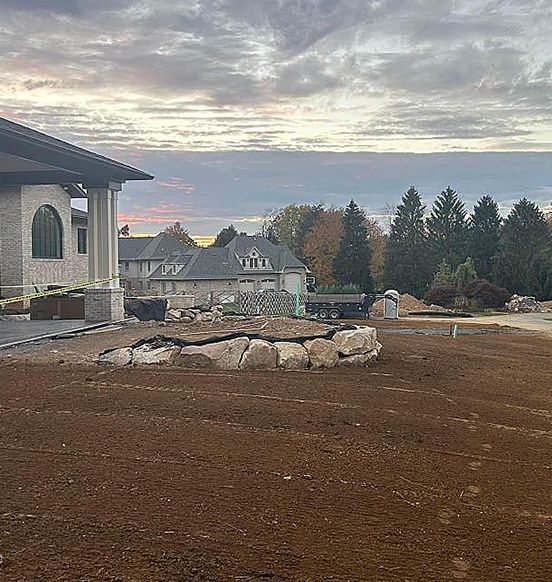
{"x": 434, "y": 464}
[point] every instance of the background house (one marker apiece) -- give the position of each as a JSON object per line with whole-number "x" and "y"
{"x": 159, "y": 266}
{"x": 42, "y": 239}
{"x": 139, "y": 257}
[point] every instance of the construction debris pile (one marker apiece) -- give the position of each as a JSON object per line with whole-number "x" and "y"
{"x": 354, "y": 346}
{"x": 407, "y": 303}
{"x": 195, "y": 315}
{"x": 524, "y": 304}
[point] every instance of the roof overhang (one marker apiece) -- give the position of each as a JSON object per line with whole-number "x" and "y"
{"x": 31, "y": 157}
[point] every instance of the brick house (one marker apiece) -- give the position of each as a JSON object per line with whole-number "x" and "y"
{"x": 247, "y": 263}
{"x": 43, "y": 240}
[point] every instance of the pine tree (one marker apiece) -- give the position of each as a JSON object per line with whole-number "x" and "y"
{"x": 226, "y": 235}
{"x": 484, "y": 235}
{"x": 407, "y": 266}
{"x": 525, "y": 239}
{"x": 352, "y": 263}
{"x": 443, "y": 274}
{"x": 448, "y": 229}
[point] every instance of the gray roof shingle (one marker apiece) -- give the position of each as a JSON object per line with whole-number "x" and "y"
{"x": 223, "y": 263}
{"x": 149, "y": 247}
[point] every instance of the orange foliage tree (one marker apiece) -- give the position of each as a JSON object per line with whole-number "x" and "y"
{"x": 322, "y": 244}
{"x": 377, "y": 239}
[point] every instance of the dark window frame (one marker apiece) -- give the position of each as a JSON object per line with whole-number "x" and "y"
{"x": 47, "y": 234}
{"x": 82, "y": 243}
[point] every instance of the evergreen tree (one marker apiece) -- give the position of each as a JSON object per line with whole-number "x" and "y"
{"x": 226, "y": 235}
{"x": 465, "y": 274}
{"x": 352, "y": 262}
{"x": 443, "y": 274}
{"x": 524, "y": 241}
{"x": 406, "y": 265}
{"x": 484, "y": 235}
{"x": 448, "y": 229}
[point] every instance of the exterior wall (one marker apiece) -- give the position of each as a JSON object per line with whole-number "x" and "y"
{"x": 292, "y": 278}
{"x": 135, "y": 281}
{"x": 11, "y": 241}
{"x": 197, "y": 288}
{"x": 72, "y": 268}
{"x": 256, "y": 281}
{"x": 17, "y": 266}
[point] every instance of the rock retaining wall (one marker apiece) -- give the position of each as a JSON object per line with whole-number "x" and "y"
{"x": 350, "y": 346}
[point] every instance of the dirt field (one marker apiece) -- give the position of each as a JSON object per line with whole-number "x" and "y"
{"x": 434, "y": 464}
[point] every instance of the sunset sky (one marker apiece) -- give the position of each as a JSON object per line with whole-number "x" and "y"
{"x": 240, "y": 106}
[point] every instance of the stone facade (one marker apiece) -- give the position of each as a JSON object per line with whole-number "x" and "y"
{"x": 18, "y": 206}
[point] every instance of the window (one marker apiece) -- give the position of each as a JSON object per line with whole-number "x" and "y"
{"x": 164, "y": 269}
{"x": 82, "y": 241}
{"x": 47, "y": 234}
{"x": 141, "y": 266}
{"x": 255, "y": 263}
{"x": 126, "y": 265}
{"x": 244, "y": 261}
{"x": 264, "y": 263}
{"x": 149, "y": 266}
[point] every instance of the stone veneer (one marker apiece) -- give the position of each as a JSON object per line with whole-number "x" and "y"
{"x": 104, "y": 304}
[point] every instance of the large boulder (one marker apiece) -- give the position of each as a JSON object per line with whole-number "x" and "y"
{"x": 224, "y": 355}
{"x": 144, "y": 355}
{"x": 355, "y": 341}
{"x": 322, "y": 353}
{"x": 260, "y": 355}
{"x": 118, "y": 357}
{"x": 360, "y": 359}
{"x": 292, "y": 356}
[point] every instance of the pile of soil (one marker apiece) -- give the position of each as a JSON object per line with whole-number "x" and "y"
{"x": 407, "y": 303}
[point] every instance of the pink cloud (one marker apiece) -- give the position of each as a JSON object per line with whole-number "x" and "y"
{"x": 177, "y": 184}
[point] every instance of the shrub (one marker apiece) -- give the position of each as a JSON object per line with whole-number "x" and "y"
{"x": 465, "y": 274}
{"x": 443, "y": 295}
{"x": 486, "y": 294}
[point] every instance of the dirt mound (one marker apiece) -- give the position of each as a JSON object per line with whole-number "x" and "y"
{"x": 407, "y": 303}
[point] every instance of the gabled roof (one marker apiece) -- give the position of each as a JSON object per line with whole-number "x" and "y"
{"x": 224, "y": 263}
{"x": 280, "y": 255}
{"x": 149, "y": 247}
{"x": 28, "y": 156}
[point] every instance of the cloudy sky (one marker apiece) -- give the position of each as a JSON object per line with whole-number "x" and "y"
{"x": 239, "y": 106}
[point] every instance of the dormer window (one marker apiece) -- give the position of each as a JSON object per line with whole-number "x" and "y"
{"x": 170, "y": 269}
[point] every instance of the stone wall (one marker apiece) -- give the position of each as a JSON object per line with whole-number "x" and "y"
{"x": 351, "y": 346}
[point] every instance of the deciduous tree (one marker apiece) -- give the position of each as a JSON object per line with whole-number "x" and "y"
{"x": 178, "y": 232}
{"x": 322, "y": 246}
{"x": 226, "y": 235}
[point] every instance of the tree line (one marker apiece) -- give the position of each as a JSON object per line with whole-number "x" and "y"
{"x": 443, "y": 250}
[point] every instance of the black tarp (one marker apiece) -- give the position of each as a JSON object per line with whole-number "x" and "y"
{"x": 146, "y": 309}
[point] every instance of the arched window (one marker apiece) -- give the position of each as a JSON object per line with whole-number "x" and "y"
{"x": 47, "y": 234}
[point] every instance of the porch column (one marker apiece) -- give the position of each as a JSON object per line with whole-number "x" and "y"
{"x": 104, "y": 301}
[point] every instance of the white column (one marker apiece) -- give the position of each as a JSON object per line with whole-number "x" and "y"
{"x": 103, "y": 236}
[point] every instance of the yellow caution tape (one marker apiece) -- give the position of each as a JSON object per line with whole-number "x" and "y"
{"x": 56, "y": 291}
